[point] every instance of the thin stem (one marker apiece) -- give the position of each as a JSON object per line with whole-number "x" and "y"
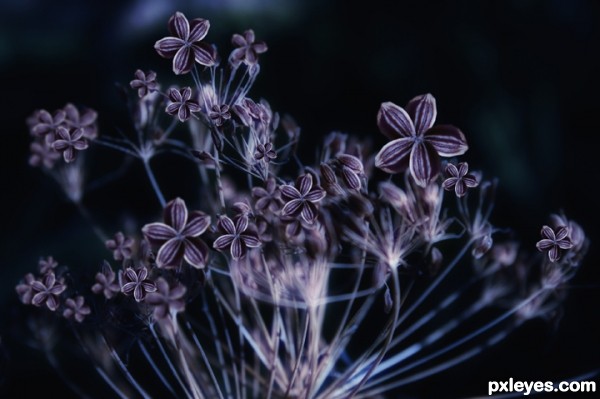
{"x": 154, "y": 183}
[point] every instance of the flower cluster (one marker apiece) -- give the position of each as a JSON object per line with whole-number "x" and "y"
{"x": 266, "y": 283}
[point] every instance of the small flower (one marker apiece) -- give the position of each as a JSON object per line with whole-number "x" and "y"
{"x": 181, "y": 103}
{"x": 166, "y": 299}
{"x": 268, "y": 197}
{"x": 351, "y": 169}
{"x": 47, "y": 124}
{"x": 248, "y": 111}
{"x": 460, "y": 179}
{"x": 144, "y": 82}
{"x": 85, "y": 122}
{"x": 178, "y": 237}
{"x": 265, "y": 151}
{"x": 106, "y": 282}
{"x": 554, "y": 242}
{"x": 47, "y": 265}
{"x": 76, "y": 308}
{"x": 47, "y": 291}
{"x": 67, "y": 142}
{"x": 185, "y": 45}
{"x": 235, "y": 238}
{"x": 121, "y": 246}
{"x": 136, "y": 282}
{"x": 25, "y": 289}
{"x": 219, "y": 114}
{"x": 247, "y": 50}
{"x": 42, "y": 154}
{"x": 416, "y": 144}
{"x": 302, "y": 199}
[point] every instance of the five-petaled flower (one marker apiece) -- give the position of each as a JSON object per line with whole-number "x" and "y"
{"x": 67, "y": 142}
{"x": 178, "y": 236}
{"x": 302, "y": 199}
{"x": 185, "y": 45}
{"x": 247, "y": 50}
{"x": 416, "y": 143}
{"x": 181, "y": 103}
{"x": 76, "y": 308}
{"x": 460, "y": 179}
{"x": 220, "y": 114}
{"x": 144, "y": 83}
{"x": 166, "y": 299}
{"x": 47, "y": 291}
{"x": 136, "y": 282}
{"x": 554, "y": 242}
{"x": 106, "y": 282}
{"x": 265, "y": 151}
{"x": 121, "y": 246}
{"x": 237, "y": 236}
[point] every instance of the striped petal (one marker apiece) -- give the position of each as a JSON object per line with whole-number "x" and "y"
{"x": 394, "y": 156}
{"x": 424, "y": 164}
{"x": 393, "y": 121}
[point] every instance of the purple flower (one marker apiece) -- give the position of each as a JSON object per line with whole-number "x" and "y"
{"x": 181, "y": 103}
{"x": 185, "y": 45}
{"x": 106, "y": 282}
{"x": 416, "y": 144}
{"x": 47, "y": 124}
{"x": 136, "y": 282}
{"x": 25, "y": 289}
{"x": 219, "y": 114}
{"x": 265, "y": 151}
{"x": 268, "y": 197}
{"x": 236, "y": 237}
{"x": 86, "y": 122}
{"x": 68, "y": 142}
{"x": 178, "y": 237}
{"x": 144, "y": 83}
{"x": 302, "y": 199}
{"x": 121, "y": 246}
{"x": 42, "y": 153}
{"x": 76, "y": 308}
{"x": 47, "y": 265}
{"x": 351, "y": 170}
{"x": 554, "y": 242}
{"x": 460, "y": 179}
{"x": 247, "y": 50}
{"x": 47, "y": 291}
{"x": 167, "y": 299}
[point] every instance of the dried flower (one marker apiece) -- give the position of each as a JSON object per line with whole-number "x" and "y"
{"x": 236, "y": 237}
{"x": 302, "y": 199}
{"x": 460, "y": 179}
{"x": 554, "y": 242}
{"x": 247, "y": 50}
{"x": 121, "y": 246}
{"x": 265, "y": 151}
{"x": 144, "y": 83}
{"x": 47, "y": 291}
{"x": 136, "y": 283}
{"x": 47, "y": 265}
{"x": 416, "y": 142}
{"x": 76, "y": 308}
{"x": 185, "y": 46}
{"x": 181, "y": 103}
{"x": 166, "y": 299}
{"x": 179, "y": 236}
{"x": 106, "y": 282}
{"x": 68, "y": 142}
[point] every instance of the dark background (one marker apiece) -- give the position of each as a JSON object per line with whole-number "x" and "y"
{"x": 519, "y": 77}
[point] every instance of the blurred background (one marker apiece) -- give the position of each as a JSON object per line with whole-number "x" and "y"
{"x": 519, "y": 77}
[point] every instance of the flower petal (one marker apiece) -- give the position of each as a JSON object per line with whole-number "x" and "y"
{"x": 158, "y": 232}
{"x": 460, "y": 188}
{"x": 452, "y": 170}
{"x": 197, "y": 224}
{"x": 544, "y": 244}
{"x": 250, "y": 240}
{"x": 424, "y": 164}
{"x": 183, "y": 61}
{"x": 289, "y": 192}
{"x": 293, "y": 207}
{"x": 304, "y": 184}
{"x": 423, "y": 111}
{"x": 223, "y": 242}
{"x": 449, "y": 183}
{"x": 196, "y": 252}
{"x": 169, "y": 254}
{"x": 198, "y": 29}
{"x": 394, "y": 156}
{"x": 238, "y": 40}
{"x": 179, "y": 26}
{"x": 447, "y": 140}
{"x": 548, "y": 233}
{"x": 470, "y": 181}
{"x": 204, "y": 54}
{"x": 564, "y": 244}
{"x": 176, "y": 214}
{"x": 561, "y": 233}
{"x": 168, "y": 46}
{"x": 554, "y": 253}
{"x": 241, "y": 224}
{"x": 316, "y": 195}
{"x": 238, "y": 249}
{"x": 351, "y": 178}
{"x": 226, "y": 224}
{"x": 394, "y": 122}
{"x": 309, "y": 212}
